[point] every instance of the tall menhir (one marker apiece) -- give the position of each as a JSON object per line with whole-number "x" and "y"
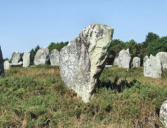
{"x": 83, "y": 59}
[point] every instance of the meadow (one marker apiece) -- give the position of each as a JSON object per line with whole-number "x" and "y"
{"x": 36, "y": 97}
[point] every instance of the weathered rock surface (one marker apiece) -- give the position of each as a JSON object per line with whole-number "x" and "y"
{"x": 115, "y": 61}
{"x": 108, "y": 66}
{"x": 163, "y": 58}
{"x": 83, "y": 59}
{"x": 42, "y": 56}
{"x": 163, "y": 114}
{"x": 16, "y": 57}
{"x": 124, "y": 59}
{"x": 6, "y": 65}
{"x": 136, "y": 62}
{"x": 20, "y": 64}
{"x": 2, "y": 73}
{"x": 145, "y": 59}
{"x": 54, "y": 57}
{"x": 26, "y": 59}
{"x": 152, "y": 67}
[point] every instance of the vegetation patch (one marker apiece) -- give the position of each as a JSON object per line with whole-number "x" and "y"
{"x": 36, "y": 97}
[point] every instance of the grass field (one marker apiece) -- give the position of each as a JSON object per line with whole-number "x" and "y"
{"x": 37, "y": 98}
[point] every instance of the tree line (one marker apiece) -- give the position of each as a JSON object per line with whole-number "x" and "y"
{"x": 152, "y": 45}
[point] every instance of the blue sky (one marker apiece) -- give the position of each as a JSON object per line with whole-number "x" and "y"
{"x": 27, "y": 23}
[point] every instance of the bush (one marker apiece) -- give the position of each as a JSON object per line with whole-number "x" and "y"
{"x": 158, "y": 45}
{"x": 57, "y": 46}
{"x": 150, "y": 37}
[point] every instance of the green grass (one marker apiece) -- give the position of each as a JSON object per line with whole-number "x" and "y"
{"x": 37, "y": 98}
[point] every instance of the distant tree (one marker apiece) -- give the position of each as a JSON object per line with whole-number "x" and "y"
{"x": 21, "y": 56}
{"x": 134, "y": 48}
{"x": 58, "y": 45}
{"x": 33, "y": 53}
{"x": 5, "y": 59}
{"x": 150, "y": 37}
{"x": 158, "y": 45}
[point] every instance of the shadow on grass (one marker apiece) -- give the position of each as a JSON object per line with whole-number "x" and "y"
{"x": 116, "y": 85}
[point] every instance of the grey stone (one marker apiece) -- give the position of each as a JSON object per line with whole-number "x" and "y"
{"x": 2, "y": 73}
{"x": 54, "y": 57}
{"x": 42, "y": 56}
{"x": 136, "y": 62}
{"x": 20, "y": 64}
{"x": 16, "y": 57}
{"x": 145, "y": 59}
{"x": 83, "y": 59}
{"x": 108, "y": 66}
{"x": 124, "y": 59}
{"x": 163, "y": 58}
{"x": 26, "y": 59}
{"x": 115, "y": 61}
{"x": 6, "y": 65}
{"x": 152, "y": 67}
{"x": 163, "y": 113}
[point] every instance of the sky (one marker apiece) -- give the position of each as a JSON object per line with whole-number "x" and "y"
{"x": 24, "y": 24}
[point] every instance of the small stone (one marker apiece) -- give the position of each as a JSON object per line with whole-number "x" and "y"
{"x": 26, "y": 59}
{"x": 54, "y": 57}
{"x": 6, "y": 65}
{"x": 16, "y": 57}
{"x": 163, "y": 114}
{"x": 145, "y": 59}
{"x": 20, "y": 64}
{"x": 115, "y": 61}
{"x": 108, "y": 66}
{"x": 42, "y": 56}
{"x": 124, "y": 59}
{"x": 152, "y": 67}
{"x": 136, "y": 62}
{"x": 163, "y": 58}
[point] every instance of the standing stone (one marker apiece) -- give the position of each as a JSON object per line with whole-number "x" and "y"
{"x": 26, "y": 59}
{"x": 163, "y": 58}
{"x": 152, "y": 67}
{"x": 124, "y": 59}
{"x": 108, "y": 66}
{"x": 2, "y": 73}
{"x": 115, "y": 61}
{"x": 83, "y": 59}
{"x": 145, "y": 59}
{"x": 16, "y": 56}
{"x": 54, "y": 57}
{"x": 136, "y": 62}
{"x": 6, "y": 65}
{"x": 163, "y": 114}
{"x": 42, "y": 56}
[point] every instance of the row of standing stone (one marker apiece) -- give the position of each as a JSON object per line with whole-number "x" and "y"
{"x": 42, "y": 57}
{"x": 153, "y": 65}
